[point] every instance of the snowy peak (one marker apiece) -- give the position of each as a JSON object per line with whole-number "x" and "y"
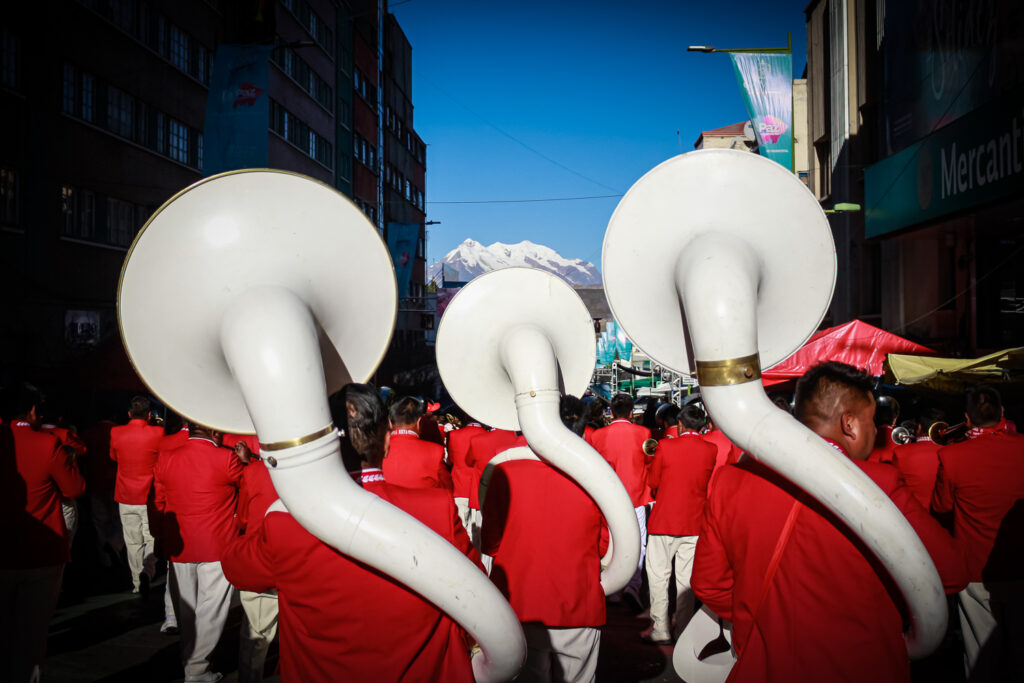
{"x": 471, "y": 259}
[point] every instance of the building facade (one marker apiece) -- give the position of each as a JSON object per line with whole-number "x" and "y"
{"x": 103, "y": 105}
{"x": 915, "y": 114}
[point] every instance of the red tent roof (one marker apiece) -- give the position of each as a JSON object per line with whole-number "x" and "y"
{"x": 857, "y": 343}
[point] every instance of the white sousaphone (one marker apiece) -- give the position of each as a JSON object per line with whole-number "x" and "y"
{"x": 248, "y": 298}
{"x": 509, "y": 345}
{"x": 742, "y": 275}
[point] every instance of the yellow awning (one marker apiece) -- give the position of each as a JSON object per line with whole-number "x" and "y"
{"x": 993, "y": 367}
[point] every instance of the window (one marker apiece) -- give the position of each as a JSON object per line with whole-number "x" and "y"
{"x": 120, "y": 112}
{"x": 79, "y": 209}
{"x": 178, "y": 139}
{"x": 120, "y": 222}
{"x": 179, "y": 48}
{"x": 8, "y": 197}
{"x": 161, "y": 133}
{"x": 199, "y": 151}
{"x": 408, "y": 185}
{"x": 9, "y": 60}
{"x": 88, "y": 93}
{"x": 70, "y": 92}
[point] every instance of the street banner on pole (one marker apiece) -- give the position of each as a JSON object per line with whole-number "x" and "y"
{"x": 402, "y": 245}
{"x": 766, "y": 81}
{"x": 237, "y": 109}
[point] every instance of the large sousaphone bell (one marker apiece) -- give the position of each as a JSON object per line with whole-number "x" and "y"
{"x": 246, "y": 300}
{"x": 742, "y": 276}
{"x": 510, "y": 344}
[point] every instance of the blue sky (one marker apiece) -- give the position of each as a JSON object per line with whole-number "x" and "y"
{"x": 547, "y": 100}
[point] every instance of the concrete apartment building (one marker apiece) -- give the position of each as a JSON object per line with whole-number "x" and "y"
{"x": 103, "y": 107}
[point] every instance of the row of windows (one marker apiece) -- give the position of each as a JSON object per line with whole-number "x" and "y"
{"x": 369, "y": 209}
{"x": 364, "y": 152}
{"x": 366, "y": 88}
{"x": 298, "y": 133}
{"x": 97, "y": 218}
{"x": 124, "y": 115}
{"x": 153, "y": 29}
{"x": 402, "y": 185}
{"x": 300, "y": 71}
{"x": 312, "y": 22}
{"x": 410, "y": 139}
{"x": 10, "y": 52}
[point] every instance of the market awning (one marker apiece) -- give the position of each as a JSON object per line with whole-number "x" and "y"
{"x": 1005, "y": 365}
{"x": 856, "y": 343}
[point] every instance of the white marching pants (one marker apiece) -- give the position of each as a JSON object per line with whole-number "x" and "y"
{"x": 138, "y": 541}
{"x": 992, "y": 622}
{"x": 258, "y": 631}
{"x": 663, "y": 552}
{"x": 635, "y": 583}
{"x": 560, "y": 654}
{"x": 202, "y": 596}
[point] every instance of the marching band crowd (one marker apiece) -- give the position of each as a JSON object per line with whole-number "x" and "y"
{"x": 806, "y": 601}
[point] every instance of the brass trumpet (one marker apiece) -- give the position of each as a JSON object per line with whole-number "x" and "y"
{"x": 942, "y": 434}
{"x": 902, "y": 436}
{"x": 650, "y": 447}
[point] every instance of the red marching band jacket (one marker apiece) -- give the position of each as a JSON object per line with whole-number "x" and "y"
{"x": 415, "y": 463}
{"x": 679, "y": 480}
{"x": 544, "y": 533}
{"x": 134, "y": 447}
{"x": 458, "y": 449}
{"x": 341, "y": 620}
{"x": 826, "y": 614}
{"x": 482, "y": 448}
{"x": 621, "y": 444}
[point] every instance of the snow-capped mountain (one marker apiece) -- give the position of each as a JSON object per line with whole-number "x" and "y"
{"x": 471, "y": 258}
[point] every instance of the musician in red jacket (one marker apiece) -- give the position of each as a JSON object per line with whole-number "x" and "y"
{"x": 543, "y": 532}
{"x": 175, "y": 436}
{"x": 621, "y": 444}
{"x": 35, "y": 474}
{"x": 679, "y": 479}
{"x": 918, "y": 462}
{"x": 134, "y": 448}
{"x": 825, "y": 613}
{"x": 981, "y": 480}
{"x": 196, "y": 494}
{"x": 340, "y": 620}
{"x": 462, "y": 473}
{"x": 411, "y": 461}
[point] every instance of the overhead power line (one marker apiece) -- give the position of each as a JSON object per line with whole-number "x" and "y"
{"x": 527, "y": 201}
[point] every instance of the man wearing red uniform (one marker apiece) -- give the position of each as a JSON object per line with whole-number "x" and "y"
{"x": 340, "y": 620}
{"x": 918, "y": 463}
{"x": 134, "y": 448}
{"x": 549, "y": 570}
{"x": 621, "y": 444}
{"x": 412, "y": 461}
{"x": 981, "y": 480}
{"x": 727, "y": 452}
{"x": 462, "y": 473}
{"x": 255, "y": 495}
{"x": 679, "y": 479}
{"x": 176, "y": 438}
{"x": 482, "y": 448}
{"x": 36, "y": 474}
{"x": 196, "y": 494}
{"x": 825, "y": 613}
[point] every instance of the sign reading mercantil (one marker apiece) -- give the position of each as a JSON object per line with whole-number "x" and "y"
{"x": 977, "y": 159}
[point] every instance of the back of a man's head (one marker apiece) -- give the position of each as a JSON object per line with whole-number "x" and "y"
{"x": 406, "y": 411}
{"x": 366, "y": 422}
{"x": 692, "y": 417}
{"x": 139, "y": 408}
{"x": 622, "y": 406}
{"x": 828, "y": 390}
{"x": 20, "y": 400}
{"x": 984, "y": 406}
{"x": 573, "y": 413}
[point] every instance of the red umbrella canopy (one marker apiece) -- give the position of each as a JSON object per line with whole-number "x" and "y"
{"x": 856, "y": 343}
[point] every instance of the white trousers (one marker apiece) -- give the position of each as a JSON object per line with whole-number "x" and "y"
{"x": 138, "y": 541}
{"x": 169, "y": 615}
{"x": 258, "y": 630}
{"x": 992, "y": 622}
{"x": 663, "y": 552}
{"x": 28, "y": 598}
{"x": 635, "y": 583}
{"x": 560, "y": 654}
{"x": 202, "y": 597}
{"x": 462, "y": 505}
{"x": 69, "y": 509}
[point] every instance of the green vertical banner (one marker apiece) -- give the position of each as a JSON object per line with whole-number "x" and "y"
{"x": 766, "y": 81}
{"x": 237, "y": 109}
